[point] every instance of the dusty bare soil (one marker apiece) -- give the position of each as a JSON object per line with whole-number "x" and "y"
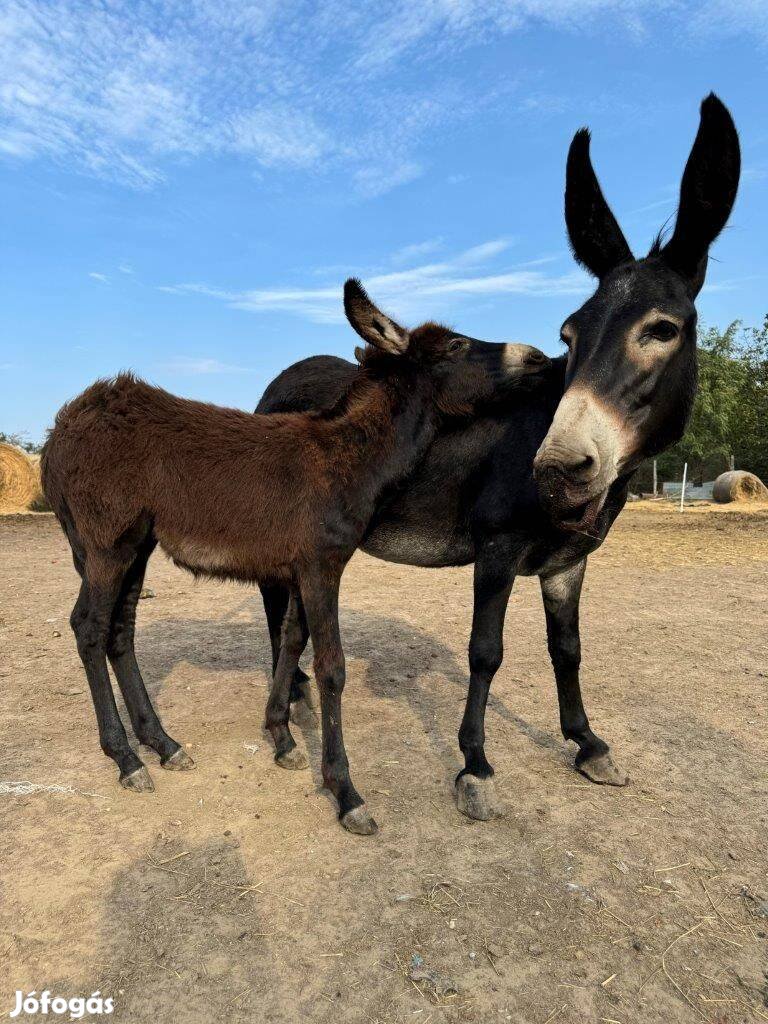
{"x": 232, "y": 894}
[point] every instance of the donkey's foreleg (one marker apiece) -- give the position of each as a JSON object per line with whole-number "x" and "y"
{"x": 475, "y": 791}
{"x": 561, "y": 595}
{"x": 295, "y": 634}
{"x": 122, "y": 657}
{"x": 320, "y": 595}
{"x": 90, "y": 622}
{"x": 275, "y": 597}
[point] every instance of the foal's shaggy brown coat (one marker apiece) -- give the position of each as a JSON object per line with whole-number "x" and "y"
{"x": 253, "y": 498}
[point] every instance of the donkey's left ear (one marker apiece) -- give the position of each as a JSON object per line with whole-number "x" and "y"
{"x": 707, "y": 192}
{"x": 371, "y": 324}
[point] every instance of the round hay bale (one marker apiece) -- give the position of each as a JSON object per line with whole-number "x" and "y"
{"x": 20, "y": 487}
{"x": 738, "y": 485}
{"x": 39, "y": 503}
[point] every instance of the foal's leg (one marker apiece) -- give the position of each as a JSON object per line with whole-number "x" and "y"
{"x": 90, "y": 622}
{"x": 475, "y": 791}
{"x": 275, "y": 598}
{"x": 295, "y": 634}
{"x": 122, "y": 656}
{"x": 321, "y": 603}
{"x": 561, "y": 595}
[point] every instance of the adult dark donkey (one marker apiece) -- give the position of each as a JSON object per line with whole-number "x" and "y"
{"x": 266, "y": 498}
{"x": 534, "y": 487}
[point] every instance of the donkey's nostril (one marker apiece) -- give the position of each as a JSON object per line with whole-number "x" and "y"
{"x": 535, "y": 358}
{"x": 583, "y": 467}
{"x": 571, "y": 464}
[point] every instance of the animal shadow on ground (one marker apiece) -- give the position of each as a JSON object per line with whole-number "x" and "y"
{"x": 185, "y": 927}
{"x": 401, "y": 662}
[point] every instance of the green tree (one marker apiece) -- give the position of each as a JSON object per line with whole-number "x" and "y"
{"x": 730, "y": 414}
{"x": 750, "y": 437}
{"x": 18, "y": 440}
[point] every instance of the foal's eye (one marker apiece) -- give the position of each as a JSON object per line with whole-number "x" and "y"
{"x": 662, "y": 330}
{"x": 455, "y": 344}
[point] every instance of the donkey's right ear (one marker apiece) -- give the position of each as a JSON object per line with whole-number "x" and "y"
{"x": 371, "y": 324}
{"x": 595, "y": 236}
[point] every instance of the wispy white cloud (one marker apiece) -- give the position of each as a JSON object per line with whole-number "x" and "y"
{"x": 542, "y": 105}
{"x": 125, "y": 90}
{"x": 749, "y": 17}
{"x": 195, "y": 366}
{"x": 432, "y": 289}
{"x": 102, "y": 278}
{"x": 278, "y": 136}
{"x": 408, "y": 253}
{"x": 450, "y": 24}
{"x": 375, "y": 181}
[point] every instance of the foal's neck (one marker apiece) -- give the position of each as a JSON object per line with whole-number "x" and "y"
{"x": 387, "y": 427}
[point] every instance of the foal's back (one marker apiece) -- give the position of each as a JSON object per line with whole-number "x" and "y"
{"x": 219, "y": 485}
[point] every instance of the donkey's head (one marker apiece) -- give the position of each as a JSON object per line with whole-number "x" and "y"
{"x": 465, "y": 373}
{"x": 631, "y": 373}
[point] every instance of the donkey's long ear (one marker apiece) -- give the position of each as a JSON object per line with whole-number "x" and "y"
{"x": 707, "y": 192}
{"x": 596, "y": 238}
{"x": 370, "y": 323}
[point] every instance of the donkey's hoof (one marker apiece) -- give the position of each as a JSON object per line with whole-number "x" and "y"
{"x": 139, "y": 781}
{"x": 477, "y": 798}
{"x": 293, "y": 759}
{"x": 601, "y": 769}
{"x": 359, "y": 821}
{"x": 178, "y": 762}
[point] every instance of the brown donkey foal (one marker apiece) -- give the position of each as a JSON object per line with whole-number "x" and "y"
{"x": 281, "y": 498}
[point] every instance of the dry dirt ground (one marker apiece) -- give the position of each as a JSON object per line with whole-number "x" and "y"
{"x": 232, "y": 894}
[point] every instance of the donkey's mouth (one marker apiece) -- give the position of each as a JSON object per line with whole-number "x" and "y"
{"x": 583, "y": 518}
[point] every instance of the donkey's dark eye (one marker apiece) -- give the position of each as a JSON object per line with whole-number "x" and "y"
{"x": 455, "y": 344}
{"x": 662, "y": 330}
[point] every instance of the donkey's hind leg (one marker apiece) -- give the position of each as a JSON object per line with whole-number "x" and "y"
{"x": 276, "y": 597}
{"x": 122, "y": 657}
{"x": 90, "y": 622}
{"x": 294, "y": 639}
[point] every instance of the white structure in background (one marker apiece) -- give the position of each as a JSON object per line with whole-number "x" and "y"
{"x": 674, "y": 489}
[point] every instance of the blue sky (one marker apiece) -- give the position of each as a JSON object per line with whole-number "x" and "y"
{"x": 187, "y": 184}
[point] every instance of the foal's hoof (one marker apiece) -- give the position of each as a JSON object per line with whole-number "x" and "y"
{"x": 178, "y": 762}
{"x": 477, "y": 798}
{"x": 139, "y": 781}
{"x": 601, "y": 769}
{"x": 359, "y": 821}
{"x": 293, "y": 759}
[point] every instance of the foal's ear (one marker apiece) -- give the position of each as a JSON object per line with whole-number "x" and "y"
{"x": 370, "y": 323}
{"x": 596, "y": 238}
{"x": 707, "y": 192}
